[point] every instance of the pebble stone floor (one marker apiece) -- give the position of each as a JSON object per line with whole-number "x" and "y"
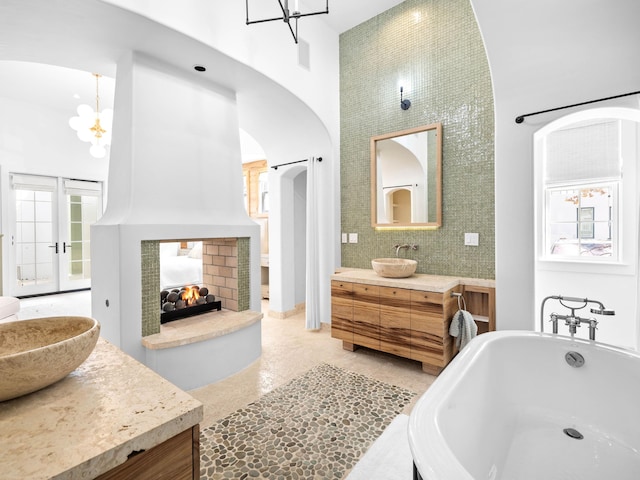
{"x": 316, "y": 426}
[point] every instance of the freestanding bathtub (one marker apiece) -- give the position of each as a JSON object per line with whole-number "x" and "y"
{"x": 511, "y": 407}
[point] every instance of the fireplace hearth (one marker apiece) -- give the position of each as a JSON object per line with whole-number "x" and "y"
{"x": 186, "y": 302}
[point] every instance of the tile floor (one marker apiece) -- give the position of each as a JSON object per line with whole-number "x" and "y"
{"x": 288, "y": 350}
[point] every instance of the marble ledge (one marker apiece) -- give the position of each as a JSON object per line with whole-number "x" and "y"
{"x": 417, "y": 281}
{"x": 92, "y": 420}
{"x": 200, "y": 328}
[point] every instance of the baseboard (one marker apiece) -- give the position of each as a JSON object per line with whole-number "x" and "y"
{"x": 299, "y": 308}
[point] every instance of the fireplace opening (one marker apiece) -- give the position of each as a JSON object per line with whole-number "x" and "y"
{"x": 185, "y": 302}
{"x": 225, "y": 266}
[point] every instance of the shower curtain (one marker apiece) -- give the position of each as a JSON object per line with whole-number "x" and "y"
{"x": 313, "y": 255}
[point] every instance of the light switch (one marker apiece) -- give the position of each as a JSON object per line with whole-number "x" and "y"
{"x": 353, "y": 238}
{"x": 344, "y": 238}
{"x": 472, "y": 239}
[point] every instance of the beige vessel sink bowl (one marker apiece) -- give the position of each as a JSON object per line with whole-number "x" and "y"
{"x": 394, "y": 267}
{"x": 36, "y": 353}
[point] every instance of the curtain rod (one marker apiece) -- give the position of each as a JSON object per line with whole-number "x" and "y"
{"x": 520, "y": 118}
{"x": 275, "y": 167}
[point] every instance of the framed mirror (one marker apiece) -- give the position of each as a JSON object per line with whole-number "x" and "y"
{"x": 406, "y": 178}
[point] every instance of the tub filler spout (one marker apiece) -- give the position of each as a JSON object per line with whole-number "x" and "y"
{"x": 572, "y": 320}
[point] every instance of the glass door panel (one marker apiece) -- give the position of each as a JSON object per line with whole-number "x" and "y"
{"x": 82, "y": 211}
{"x": 34, "y": 246}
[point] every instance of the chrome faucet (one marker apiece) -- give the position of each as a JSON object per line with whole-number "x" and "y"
{"x": 572, "y": 320}
{"x": 399, "y": 246}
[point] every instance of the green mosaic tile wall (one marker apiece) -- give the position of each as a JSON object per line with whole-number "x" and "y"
{"x": 150, "y": 274}
{"x": 244, "y": 268}
{"x": 435, "y": 49}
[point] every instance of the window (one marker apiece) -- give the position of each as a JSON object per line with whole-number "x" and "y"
{"x": 580, "y": 221}
{"x": 582, "y": 180}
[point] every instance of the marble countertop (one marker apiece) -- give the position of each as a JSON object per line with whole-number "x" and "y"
{"x": 417, "y": 281}
{"x": 89, "y": 422}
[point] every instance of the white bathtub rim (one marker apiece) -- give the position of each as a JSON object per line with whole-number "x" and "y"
{"x": 435, "y": 460}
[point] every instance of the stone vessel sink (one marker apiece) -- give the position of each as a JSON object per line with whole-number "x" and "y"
{"x": 394, "y": 267}
{"x": 36, "y": 353}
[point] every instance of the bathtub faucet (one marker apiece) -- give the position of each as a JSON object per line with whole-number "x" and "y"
{"x": 573, "y": 323}
{"x": 572, "y": 320}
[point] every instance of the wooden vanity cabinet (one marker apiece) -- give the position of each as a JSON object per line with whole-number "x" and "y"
{"x": 409, "y": 323}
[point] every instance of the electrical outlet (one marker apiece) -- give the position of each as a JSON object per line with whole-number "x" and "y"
{"x": 353, "y": 238}
{"x": 344, "y": 238}
{"x": 472, "y": 239}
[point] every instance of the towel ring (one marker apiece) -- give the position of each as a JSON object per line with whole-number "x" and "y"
{"x": 462, "y": 305}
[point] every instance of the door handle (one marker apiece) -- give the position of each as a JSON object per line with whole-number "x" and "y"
{"x": 65, "y": 246}
{"x": 54, "y": 246}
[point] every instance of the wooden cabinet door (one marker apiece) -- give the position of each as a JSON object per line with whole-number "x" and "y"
{"x": 366, "y": 316}
{"x": 428, "y": 329}
{"x": 342, "y": 310}
{"x": 395, "y": 321}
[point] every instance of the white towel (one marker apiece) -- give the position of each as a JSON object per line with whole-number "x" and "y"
{"x": 463, "y": 327}
{"x": 389, "y": 458}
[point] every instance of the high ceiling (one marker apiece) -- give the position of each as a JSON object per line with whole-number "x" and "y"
{"x": 67, "y": 88}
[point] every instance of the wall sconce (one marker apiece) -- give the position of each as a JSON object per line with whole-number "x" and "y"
{"x": 404, "y": 104}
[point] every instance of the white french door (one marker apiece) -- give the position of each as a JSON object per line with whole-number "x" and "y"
{"x": 50, "y": 241}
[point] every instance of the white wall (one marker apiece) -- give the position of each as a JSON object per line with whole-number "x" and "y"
{"x": 37, "y": 139}
{"x": 543, "y": 55}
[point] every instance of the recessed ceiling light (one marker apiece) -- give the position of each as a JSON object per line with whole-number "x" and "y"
{"x": 200, "y": 68}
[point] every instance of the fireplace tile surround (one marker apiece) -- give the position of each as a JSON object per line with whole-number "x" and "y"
{"x": 226, "y": 267}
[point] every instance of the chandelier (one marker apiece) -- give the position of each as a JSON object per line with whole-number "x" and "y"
{"x": 94, "y": 127}
{"x": 287, "y": 15}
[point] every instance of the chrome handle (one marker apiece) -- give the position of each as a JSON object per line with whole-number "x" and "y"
{"x": 65, "y": 246}
{"x": 54, "y": 246}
